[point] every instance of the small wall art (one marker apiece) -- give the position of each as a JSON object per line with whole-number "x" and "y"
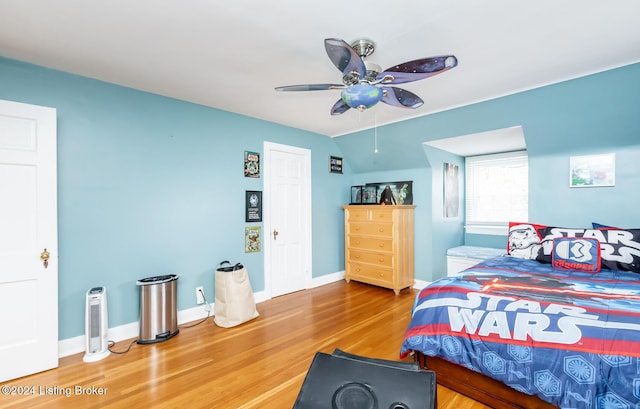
{"x": 335, "y": 164}
{"x": 253, "y": 206}
{"x": 592, "y": 170}
{"x": 251, "y": 164}
{"x": 451, "y": 190}
{"x": 252, "y": 239}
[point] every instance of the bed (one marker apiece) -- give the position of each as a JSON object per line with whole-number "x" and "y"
{"x": 523, "y": 333}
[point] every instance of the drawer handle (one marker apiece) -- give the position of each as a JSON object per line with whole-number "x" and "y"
{"x": 381, "y": 245}
{"x": 381, "y": 274}
{"x": 381, "y": 229}
{"x": 357, "y": 241}
{"x": 380, "y": 260}
{"x": 357, "y": 228}
{"x": 356, "y": 256}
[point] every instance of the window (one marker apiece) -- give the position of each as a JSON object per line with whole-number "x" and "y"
{"x": 496, "y": 192}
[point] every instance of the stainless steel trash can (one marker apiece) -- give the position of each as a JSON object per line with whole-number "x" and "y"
{"x": 158, "y": 308}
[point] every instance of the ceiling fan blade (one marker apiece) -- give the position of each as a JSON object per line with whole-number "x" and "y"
{"x": 401, "y": 98}
{"x": 345, "y": 58}
{"x": 340, "y": 107}
{"x": 418, "y": 69}
{"x": 310, "y": 87}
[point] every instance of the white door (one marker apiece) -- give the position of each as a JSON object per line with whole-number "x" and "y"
{"x": 287, "y": 218}
{"x": 28, "y": 226}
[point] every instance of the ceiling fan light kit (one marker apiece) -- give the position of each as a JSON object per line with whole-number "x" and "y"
{"x": 364, "y": 84}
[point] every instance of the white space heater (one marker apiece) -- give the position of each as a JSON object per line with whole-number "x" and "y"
{"x": 96, "y": 325}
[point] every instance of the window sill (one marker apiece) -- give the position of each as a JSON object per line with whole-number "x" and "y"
{"x": 491, "y": 230}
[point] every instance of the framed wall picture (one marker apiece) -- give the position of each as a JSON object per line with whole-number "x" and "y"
{"x": 592, "y": 170}
{"x": 335, "y": 164}
{"x": 251, "y": 164}
{"x": 451, "y": 189}
{"x": 252, "y": 239}
{"x": 253, "y": 206}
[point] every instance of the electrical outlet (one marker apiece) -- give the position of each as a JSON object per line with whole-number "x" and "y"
{"x": 199, "y": 295}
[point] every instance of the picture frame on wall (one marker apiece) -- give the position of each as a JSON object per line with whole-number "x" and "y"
{"x": 251, "y": 164}
{"x": 592, "y": 170}
{"x": 253, "y": 206}
{"x": 252, "y": 239}
{"x": 451, "y": 192}
{"x": 335, "y": 164}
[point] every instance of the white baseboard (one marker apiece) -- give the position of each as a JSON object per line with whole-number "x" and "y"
{"x": 70, "y": 346}
{"x": 419, "y": 284}
{"x": 76, "y": 345}
{"x": 327, "y": 279}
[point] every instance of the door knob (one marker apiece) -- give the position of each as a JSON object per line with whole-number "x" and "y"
{"x": 275, "y": 234}
{"x": 44, "y": 256}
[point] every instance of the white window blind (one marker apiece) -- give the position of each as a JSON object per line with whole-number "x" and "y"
{"x": 496, "y": 191}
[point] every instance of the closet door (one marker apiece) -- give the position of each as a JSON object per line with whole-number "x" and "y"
{"x": 28, "y": 240}
{"x": 287, "y": 212}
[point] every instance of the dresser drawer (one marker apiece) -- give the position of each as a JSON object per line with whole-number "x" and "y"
{"x": 371, "y": 229}
{"x": 370, "y": 273}
{"x": 379, "y": 259}
{"x": 381, "y": 214}
{"x": 371, "y": 213}
{"x": 357, "y": 215}
{"x": 369, "y": 243}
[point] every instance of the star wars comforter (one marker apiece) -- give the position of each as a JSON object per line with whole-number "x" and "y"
{"x": 572, "y": 338}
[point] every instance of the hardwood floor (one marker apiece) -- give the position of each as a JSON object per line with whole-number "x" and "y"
{"x": 260, "y": 364}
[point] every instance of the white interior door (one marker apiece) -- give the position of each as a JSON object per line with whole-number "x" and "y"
{"x": 28, "y": 226}
{"x": 287, "y": 218}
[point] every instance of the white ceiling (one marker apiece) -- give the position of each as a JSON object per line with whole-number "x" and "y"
{"x": 230, "y": 55}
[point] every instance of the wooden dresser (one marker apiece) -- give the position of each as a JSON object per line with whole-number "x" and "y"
{"x": 379, "y": 245}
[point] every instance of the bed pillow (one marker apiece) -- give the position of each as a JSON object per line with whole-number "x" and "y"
{"x": 523, "y": 240}
{"x": 602, "y": 226}
{"x": 576, "y": 254}
{"x": 619, "y": 248}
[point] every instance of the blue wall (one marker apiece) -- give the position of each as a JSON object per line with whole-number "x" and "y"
{"x": 150, "y": 185}
{"x": 594, "y": 114}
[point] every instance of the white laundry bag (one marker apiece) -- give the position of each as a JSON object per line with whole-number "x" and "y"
{"x": 234, "y": 301}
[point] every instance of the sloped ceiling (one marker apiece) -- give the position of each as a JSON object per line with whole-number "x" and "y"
{"x": 231, "y": 55}
{"x": 482, "y": 143}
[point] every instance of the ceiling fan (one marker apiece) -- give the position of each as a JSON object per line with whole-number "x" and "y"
{"x": 364, "y": 84}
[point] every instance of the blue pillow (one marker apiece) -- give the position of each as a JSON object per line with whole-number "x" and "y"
{"x": 576, "y": 254}
{"x": 601, "y": 226}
